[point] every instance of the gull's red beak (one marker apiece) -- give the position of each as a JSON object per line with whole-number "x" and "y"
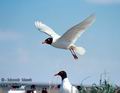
{"x": 56, "y": 75}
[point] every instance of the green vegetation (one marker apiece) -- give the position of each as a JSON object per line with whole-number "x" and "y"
{"x": 104, "y": 87}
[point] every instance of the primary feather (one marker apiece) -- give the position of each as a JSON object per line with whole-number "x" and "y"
{"x": 47, "y": 30}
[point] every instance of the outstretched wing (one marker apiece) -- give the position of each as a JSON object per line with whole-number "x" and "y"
{"x": 47, "y": 30}
{"x": 75, "y": 32}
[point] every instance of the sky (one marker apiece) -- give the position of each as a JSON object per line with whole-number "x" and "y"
{"x": 23, "y": 56}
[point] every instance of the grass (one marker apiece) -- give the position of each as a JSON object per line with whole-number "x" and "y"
{"x": 104, "y": 87}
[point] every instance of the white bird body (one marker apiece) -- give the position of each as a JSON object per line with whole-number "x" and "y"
{"x": 61, "y": 44}
{"x": 66, "y": 87}
{"x": 67, "y": 40}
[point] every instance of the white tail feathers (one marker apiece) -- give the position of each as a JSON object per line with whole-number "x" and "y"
{"x": 80, "y": 50}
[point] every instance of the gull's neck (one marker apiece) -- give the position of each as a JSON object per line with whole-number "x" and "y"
{"x": 65, "y": 80}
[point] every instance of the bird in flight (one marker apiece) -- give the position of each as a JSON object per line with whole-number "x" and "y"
{"x": 68, "y": 39}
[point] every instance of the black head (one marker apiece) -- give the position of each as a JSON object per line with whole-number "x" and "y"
{"x": 63, "y": 74}
{"x": 48, "y": 41}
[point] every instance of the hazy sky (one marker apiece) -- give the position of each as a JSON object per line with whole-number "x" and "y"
{"x": 22, "y": 54}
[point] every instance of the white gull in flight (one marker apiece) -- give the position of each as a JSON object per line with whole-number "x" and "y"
{"x": 68, "y": 39}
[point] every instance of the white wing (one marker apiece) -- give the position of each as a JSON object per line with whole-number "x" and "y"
{"x": 44, "y": 28}
{"x": 75, "y": 32}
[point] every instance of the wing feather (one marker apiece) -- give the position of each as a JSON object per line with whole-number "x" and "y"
{"x": 75, "y": 32}
{"x": 47, "y": 30}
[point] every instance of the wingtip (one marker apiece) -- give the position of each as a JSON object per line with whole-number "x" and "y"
{"x": 38, "y": 23}
{"x": 93, "y": 16}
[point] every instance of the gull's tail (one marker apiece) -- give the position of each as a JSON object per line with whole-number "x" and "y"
{"x": 80, "y": 50}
